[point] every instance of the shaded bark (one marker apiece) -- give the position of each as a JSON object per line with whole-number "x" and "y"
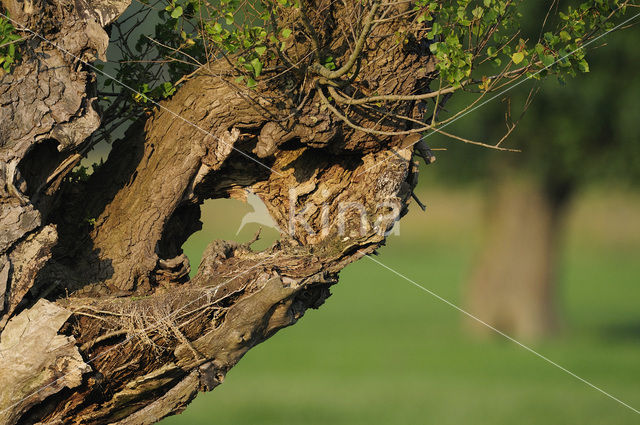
{"x": 513, "y": 285}
{"x": 100, "y": 322}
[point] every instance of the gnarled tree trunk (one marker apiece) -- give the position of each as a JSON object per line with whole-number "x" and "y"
{"x": 99, "y": 321}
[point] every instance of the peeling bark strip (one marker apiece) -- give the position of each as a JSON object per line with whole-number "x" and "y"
{"x": 99, "y": 322}
{"x": 36, "y": 360}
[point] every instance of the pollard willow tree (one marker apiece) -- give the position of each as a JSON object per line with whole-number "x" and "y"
{"x": 315, "y": 103}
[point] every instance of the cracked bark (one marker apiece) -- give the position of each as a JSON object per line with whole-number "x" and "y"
{"x": 100, "y": 323}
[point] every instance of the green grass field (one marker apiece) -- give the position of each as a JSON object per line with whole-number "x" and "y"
{"x": 381, "y": 351}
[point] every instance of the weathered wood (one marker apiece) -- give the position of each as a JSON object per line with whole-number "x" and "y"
{"x": 36, "y": 362}
{"x": 137, "y": 338}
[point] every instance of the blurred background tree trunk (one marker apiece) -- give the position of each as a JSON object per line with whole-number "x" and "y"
{"x": 513, "y": 281}
{"x": 575, "y": 134}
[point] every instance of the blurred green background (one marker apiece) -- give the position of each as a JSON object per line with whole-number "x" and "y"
{"x": 381, "y": 351}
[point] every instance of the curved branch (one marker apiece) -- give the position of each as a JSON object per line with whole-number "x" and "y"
{"x": 346, "y": 120}
{"x": 313, "y": 35}
{"x": 333, "y": 75}
{"x": 424, "y": 128}
{"x": 395, "y": 97}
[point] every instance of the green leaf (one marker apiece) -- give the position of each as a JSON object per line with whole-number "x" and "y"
{"x": 435, "y": 30}
{"x": 548, "y": 60}
{"x": 517, "y": 57}
{"x": 565, "y": 36}
{"x": 286, "y": 33}
{"x": 478, "y": 12}
{"x": 177, "y": 12}
{"x": 583, "y": 65}
{"x": 257, "y": 66}
{"x": 167, "y": 89}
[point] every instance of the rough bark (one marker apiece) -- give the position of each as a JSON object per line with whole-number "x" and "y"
{"x": 99, "y": 320}
{"x": 513, "y": 285}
